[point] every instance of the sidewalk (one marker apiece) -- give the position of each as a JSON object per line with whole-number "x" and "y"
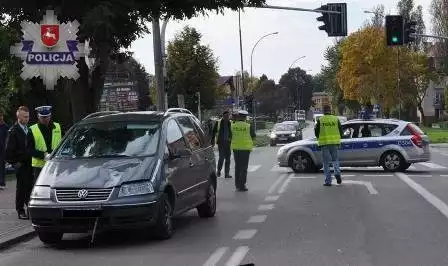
{"x": 12, "y": 230}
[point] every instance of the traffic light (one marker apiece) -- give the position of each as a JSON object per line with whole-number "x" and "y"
{"x": 335, "y": 24}
{"x": 409, "y": 31}
{"x": 394, "y": 30}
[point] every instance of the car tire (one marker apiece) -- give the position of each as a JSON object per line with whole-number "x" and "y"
{"x": 208, "y": 208}
{"x": 49, "y": 238}
{"x": 164, "y": 228}
{"x": 393, "y": 161}
{"x": 306, "y": 164}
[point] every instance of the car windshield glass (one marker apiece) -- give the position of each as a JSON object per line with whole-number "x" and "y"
{"x": 285, "y": 127}
{"x": 111, "y": 139}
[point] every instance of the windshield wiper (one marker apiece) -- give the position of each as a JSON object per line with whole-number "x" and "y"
{"x": 110, "y": 156}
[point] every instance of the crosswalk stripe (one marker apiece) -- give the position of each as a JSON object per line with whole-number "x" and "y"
{"x": 432, "y": 165}
{"x": 253, "y": 168}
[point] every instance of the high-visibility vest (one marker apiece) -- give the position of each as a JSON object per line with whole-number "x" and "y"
{"x": 329, "y": 130}
{"x": 241, "y": 138}
{"x": 40, "y": 144}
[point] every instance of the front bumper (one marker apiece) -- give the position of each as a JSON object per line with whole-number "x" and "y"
{"x": 285, "y": 139}
{"x": 80, "y": 218}
{"x": 282, "y": 159}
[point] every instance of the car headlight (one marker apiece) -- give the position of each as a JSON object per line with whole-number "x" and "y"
{"x": 273, "y": 136}
{"x": 40, "y": 192}
{"x": 136, "y": 189}
{"x": 293, "y": 135}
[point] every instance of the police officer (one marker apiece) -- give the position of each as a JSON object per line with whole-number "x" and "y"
{"x": 46, "y": 137}
{"x": 222, "y": 135}
{"x": 18, "y": 153}
{"x": 243, "y": 136}
{"x": 328, "y": 131}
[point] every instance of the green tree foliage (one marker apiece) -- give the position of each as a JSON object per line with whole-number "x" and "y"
{"x": 270, "y": 97}
{"x": 191, "y": 68}
{"x": 410, "y": 12}
{"x": 440, "y": 27}
{"x": 110, "y": 26}
{"x": 300, "y": 87}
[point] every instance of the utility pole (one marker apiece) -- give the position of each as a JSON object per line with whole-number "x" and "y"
{"x": 164, "y": 56}
{"x": 398, "y": 82}
{"x": 158, "y": 64}
{"x": 241, "y": 58}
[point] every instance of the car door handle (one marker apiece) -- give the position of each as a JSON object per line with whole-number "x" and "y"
{"x": 365, "y": 145}
{"x": 191, "y": 164}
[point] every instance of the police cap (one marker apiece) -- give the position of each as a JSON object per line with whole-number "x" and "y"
{"x": 43, "y": 110}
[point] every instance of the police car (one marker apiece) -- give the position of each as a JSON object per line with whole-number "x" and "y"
{"x": 392, "y": 144}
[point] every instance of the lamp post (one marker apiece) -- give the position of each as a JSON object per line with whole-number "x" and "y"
{"x": 253, "y": 49}
{"x": 293, "y": 63}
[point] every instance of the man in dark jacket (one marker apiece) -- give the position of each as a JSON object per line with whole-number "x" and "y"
{"x": 18, "y": 153}
{"x": 222, "y": 135}
{"x": 3, "y": 135}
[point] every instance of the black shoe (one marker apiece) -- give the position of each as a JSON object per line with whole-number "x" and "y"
{"x": 338, "y": 179}
{"x": 22, "y": 215}
{"x": 327, "y": 185}
{"x": 228, "y": 176}
{"x": 218, "y": 174}
{"x": 243, "y": 189}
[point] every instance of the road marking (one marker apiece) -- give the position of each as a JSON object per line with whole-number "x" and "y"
{"x": 367, "y": 184}
{"x": 444, "y": 175}
{"x": 266, "y": 207}
{"x": 271, "y": 198}
{"x": 417, "y": 175}
{"x": 433, "y": 165}
{"x": 277, "y": 168}
{"x": 245, "y": 234}
{"x": 302, "y": 177}
{"x": 285, "y": 184}
{"x": 253, "y": 168}
{"x": 216, "y": 256}
{"x": 343, "y": 175}
{"x": 238, "y": 256}
{"x": 428, "y": 196}
{"x": 412, "y": 167}
{"x": 376, "y": 175}
{"x": 276, "y": 183}
{"x": 257, "y": 219}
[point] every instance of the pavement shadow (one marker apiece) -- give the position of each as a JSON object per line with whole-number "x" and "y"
{"x": 111, "y": 239}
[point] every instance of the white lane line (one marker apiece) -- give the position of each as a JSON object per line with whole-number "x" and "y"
{"x": 303, "y": 177}
{"x": 376, "y": 175}
{"x": 428, "y": 196}
{"x": 367, "y": 184}
{"x": 417, "y": 175}
{"x": 343, "y": 175}
{"x": 271, "y": 198}
{"x": 257, "y": 219}
{"x": 266, "y": 207}
{"x": 444, "y": 175}
{"x": 276, "y": 183}
{"x": 238, "y": 256}
{"x": 216, "y": 256}
{"x": 432, "y": 165}
{"x": 412, "y": 167}
{"x": 253, "y": 168}
{"x": 285, "y": 184}
{"x": 245, "y": 234}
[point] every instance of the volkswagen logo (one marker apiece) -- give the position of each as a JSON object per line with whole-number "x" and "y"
{"x": 83, "y": 193}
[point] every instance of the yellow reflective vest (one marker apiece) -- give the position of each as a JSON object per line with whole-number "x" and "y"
{"x": 40, "y": 144}
{"x": 241, "y": 138}
{"x": 329, "y": 130}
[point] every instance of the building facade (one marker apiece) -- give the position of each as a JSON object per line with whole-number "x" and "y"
{"x": 320, "y": 99}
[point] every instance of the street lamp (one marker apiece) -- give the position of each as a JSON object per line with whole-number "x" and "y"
{"x": 253, "y": 49}
{"x": 295, "y": 61}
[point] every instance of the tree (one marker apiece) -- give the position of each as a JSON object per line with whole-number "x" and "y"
{"x": 440, "y": 27}
{"x": 270, "y": 98}
{"x": 299, "y": 86}
{"x": 191, "y": 68}
{"x": 110, "y": 27}
{"x": 407, "y": 9}
{"x": 378, "y": 17}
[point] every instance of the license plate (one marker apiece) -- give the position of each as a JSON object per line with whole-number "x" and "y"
{"x": 81, "y": 213}
{"x": 282, "y": 138}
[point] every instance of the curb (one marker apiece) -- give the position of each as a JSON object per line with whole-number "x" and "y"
{"x": 16, "y": 235}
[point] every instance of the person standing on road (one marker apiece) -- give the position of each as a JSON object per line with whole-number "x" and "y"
{"x": 46, "y": 137}
{"x": 222, "y": 135}
{"x": 328, "y": 131}
{"x": 3, "y": 135}
{"x": 18, "y": 153}
{"x": 243, "y": 136}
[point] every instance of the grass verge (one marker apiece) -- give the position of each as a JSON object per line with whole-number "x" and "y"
{"x": 262, "y": 141}
{"x": 437, "y": 135}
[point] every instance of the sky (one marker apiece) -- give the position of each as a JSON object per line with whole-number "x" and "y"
{"x": 298, "y": 36}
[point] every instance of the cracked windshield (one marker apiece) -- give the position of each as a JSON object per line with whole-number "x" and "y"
{"x": 224, "y": 133}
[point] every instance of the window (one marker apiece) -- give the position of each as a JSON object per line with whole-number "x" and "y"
{"x": 350, "y": 131}
{"x": 174, "y": 138}
{"x": 205, "y": 141}
{"x": 189, "y": 132}
{"x": 111, "y": 139}
{"x": 376, "y": 130}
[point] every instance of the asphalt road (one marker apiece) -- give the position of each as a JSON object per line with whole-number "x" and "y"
{"x": 374, "y": 218}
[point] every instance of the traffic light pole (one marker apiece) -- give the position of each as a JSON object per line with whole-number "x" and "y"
{"x": 430, "y": 36}
{"x": 298, "y": 9}
{"x": 398, "y": 83}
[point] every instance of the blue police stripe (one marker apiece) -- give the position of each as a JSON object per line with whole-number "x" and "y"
{"x": 370, "y": 145}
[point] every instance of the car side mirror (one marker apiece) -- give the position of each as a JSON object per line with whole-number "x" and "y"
{"x": 47, "y": 157}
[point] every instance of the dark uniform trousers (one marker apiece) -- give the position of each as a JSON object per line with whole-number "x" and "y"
{"x": 241, "y": 164}
{"x": 224, "y": 155}
{"x": 25, "y": 184}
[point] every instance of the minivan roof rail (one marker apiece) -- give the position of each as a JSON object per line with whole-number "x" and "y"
{"x": 177, "y": 110}
{"x": 96, "y": 114}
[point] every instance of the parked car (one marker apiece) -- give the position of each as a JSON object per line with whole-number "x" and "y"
{"x": 285, "y": 133}
{"x": 125, "y": 170}
{"x": 390, "y": 143}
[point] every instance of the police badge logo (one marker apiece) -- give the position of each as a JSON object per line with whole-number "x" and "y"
{"x": 49, "y": 35}
{"x": 49, "y": 50}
